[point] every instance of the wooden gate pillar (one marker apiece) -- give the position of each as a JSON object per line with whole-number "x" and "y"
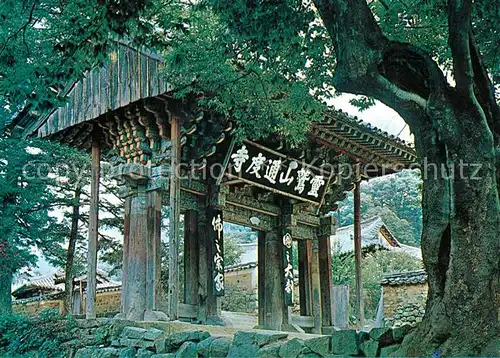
{"x": 261, "y": 273}
{"x": 325, "y": 230}
{"x": 305, "y": 294}
{"x": 316, "y": 287}
{"x": 207, "y": 236}
{"x": 90, "y": 306}
{"x": 274, "y": 282}
{"x": 191, "y": 256}
{"x": 207, "y": 302}
{"x": 141, "y": 257}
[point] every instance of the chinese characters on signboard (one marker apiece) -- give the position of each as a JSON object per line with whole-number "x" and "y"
{"x": 263, "y": 167}
{"x": 288, "y": 268}
{"x": 218, "y": 252}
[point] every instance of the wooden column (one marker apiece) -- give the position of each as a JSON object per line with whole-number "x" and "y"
{"x": 274, "y": 289}
{"x": 305, "y": 294}
{"x": 173, "y": 279}
{"x": 326, "y": 229}
{"x": 126, "y": 254}
{"x": 261, "y": 267}
{"x": 357, "y": 254}
{"x": 191, "y": 251}
{"x": 135, "y": 287}
{"x": 141, "y": 257}
{"x": 153, "y": 247}
{"x": 316, "y": 287}
{"x": 207, "y": 301}
{"x": 90, "y": 309}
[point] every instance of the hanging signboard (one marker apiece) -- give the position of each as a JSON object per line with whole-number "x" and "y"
{"x": 266, "y": 168}
{"x": 217, "y": 239}
{"x": 288, "y": 268}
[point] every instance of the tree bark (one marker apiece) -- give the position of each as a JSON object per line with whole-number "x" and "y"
{"x": 456, "y": 139}
{"x": 5, "y": 293}
{"x": 73, "y": 236}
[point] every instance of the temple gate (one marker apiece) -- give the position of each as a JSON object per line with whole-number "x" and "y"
{"x": 169, "y": 152}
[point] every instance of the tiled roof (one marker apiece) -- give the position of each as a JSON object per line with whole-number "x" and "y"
{"x": 239, "y": 267}
{"x": 59, "y": 295}
{"x": 374, "y": 233}
{"x": 135, "y": 74}
{"x": 362, "y": 141}
{"x": 52, "y": 284}
{"x": 405, "y": 278}
{"x": 343, "y": 240}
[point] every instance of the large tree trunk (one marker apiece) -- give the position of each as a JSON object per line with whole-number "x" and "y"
{"x": 70, "y": 256}
{"x": 5, "y": 293}
{"x": 460, "y": 240}
{"x": 454, "y": 127}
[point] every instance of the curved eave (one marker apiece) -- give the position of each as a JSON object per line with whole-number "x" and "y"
{"x": 362, "y": 142}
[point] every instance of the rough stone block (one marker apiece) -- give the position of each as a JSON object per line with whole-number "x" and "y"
{"x": 127, "y": 353}
{"x": 270, "y": 350}
{"x": 383, "y": 335}
{"x": 387, "y": 351}
{"x": 187, "y": 350}
{"x": 345, "y": 342}
{"x": 154, "y": 316}
{"x": 164, "y": 355}
{"x": 320, "y": 345}
{"x": 400, "y": 332}
{"x": 291, "y": 348}
{"x": 160, "y": 345}
{"x": 176, "y": 339}
{"x": 115, "y": 343}
{"x": 144, "y": 353}
{"x": 153, "y": 334}
{"x": 329, "y": 330}
{"x": 214, "y": 347}
{"x": 137, "y": 343}
{"x": 370, "y": 348}
{"x": 94, "y": 352}
{"x": 244, "y": 345}
{"x": 309, "y": 355}
{"x": 133, "y": 332}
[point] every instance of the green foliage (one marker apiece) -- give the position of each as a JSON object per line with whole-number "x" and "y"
{"x": 228, "y": 68}
{"x": 373, "y": 267}
{"x": 232, "y": 251}
{"x": 402, "y": 213}
{"x": 46, "y": 45}
{"x": 425, "y": 24}
{"x": 26, "y": 200}
{"x": 22, "y": 336}
{"x": 241, "y": 234}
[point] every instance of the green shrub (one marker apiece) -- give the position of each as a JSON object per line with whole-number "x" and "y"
{"x": 41, "y": 336}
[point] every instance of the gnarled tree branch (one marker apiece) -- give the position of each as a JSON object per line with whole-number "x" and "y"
{"x": 459, "y": 22}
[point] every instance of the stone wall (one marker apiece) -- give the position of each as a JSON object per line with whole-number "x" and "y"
{"x": 106, "y": 302}
{"x": 404, "y": 304}
{"x": 239, "y": 299}
{"x": 35, "y": 307}
{"x": 131, "y": 341}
